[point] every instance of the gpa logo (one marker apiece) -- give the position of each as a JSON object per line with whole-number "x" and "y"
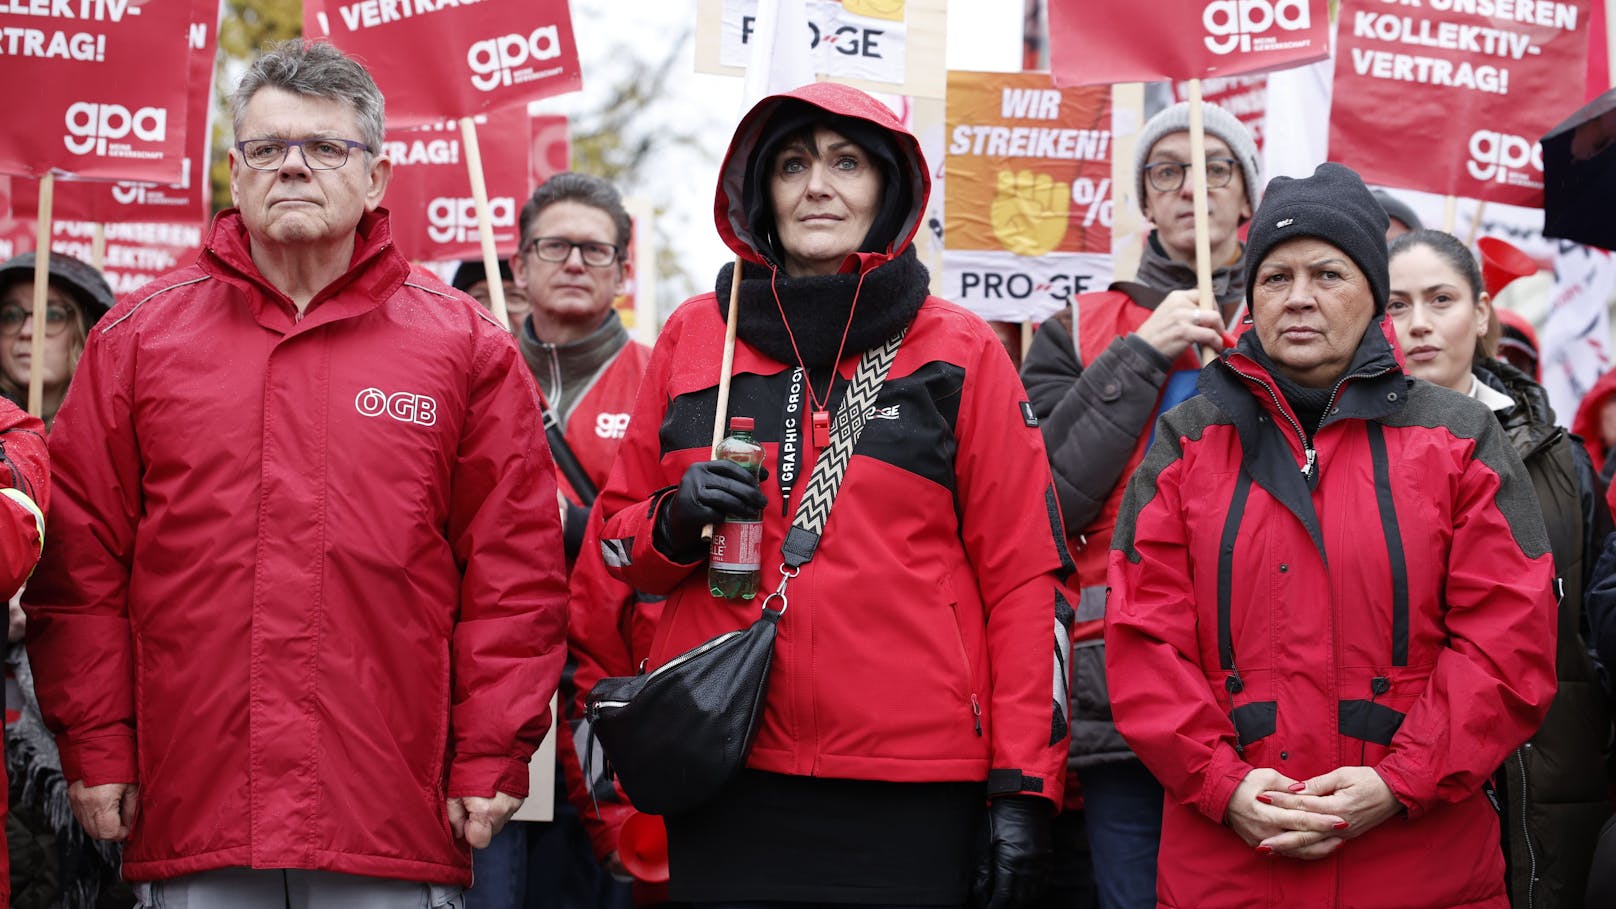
{"x": 455, "y": 220}
{"x": 402, "y": 406}
{"x": 502, "y": 61}
{"x": 611, "y": 425}
{"x": 1503, "y": 158}
{"x": 103, "y": 129}
{"x": 1231, "y": 24}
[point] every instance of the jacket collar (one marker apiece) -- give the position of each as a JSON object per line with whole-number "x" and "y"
{"x": 376, "y": 272}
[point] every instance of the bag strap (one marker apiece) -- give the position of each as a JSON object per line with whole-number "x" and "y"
{"x": 814, "y": 509}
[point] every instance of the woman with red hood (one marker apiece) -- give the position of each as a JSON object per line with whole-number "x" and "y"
{"x": 918, "y": 690}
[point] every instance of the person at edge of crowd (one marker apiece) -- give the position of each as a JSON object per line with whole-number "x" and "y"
{"x": 1595, "y": 424}
{"x": 1098, "y": 373}
{"x": 472, "y": 277}
{"x": 571, "y": 265}
{"x": 1400, "y": 216}
{"x": 1552, "y": 789}
{"x": 885, "y": 742}
{"x": 1332, "y": 612}
{"x": 25, "y": 492}
{"x": 53, "y": 862}
{"x": 305, "y": 623}
{"x": 1517, "y": 343}
{"x": 76, "y": 296}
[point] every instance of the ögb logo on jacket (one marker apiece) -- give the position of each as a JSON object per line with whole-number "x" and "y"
{"x": 403, "y": 406}
{"x": 455, "y": 220}
{"x": 1232, "y": 24}
{"x": 502, "y": 61}
{"x": 102, "y": 128}
{"x": 1504, "y": 158}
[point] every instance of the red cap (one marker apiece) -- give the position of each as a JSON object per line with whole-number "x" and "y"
{"x": 741, "y": 424}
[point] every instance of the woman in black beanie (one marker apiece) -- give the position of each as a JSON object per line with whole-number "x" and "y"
{"x": 1331, "y": 614}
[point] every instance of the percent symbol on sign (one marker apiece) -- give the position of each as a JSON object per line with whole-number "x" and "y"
{"x": 1094, "y": 198}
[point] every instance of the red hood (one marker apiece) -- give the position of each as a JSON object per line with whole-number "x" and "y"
{"x": 1586, "y": 423}
{"x": 729, "y": 209}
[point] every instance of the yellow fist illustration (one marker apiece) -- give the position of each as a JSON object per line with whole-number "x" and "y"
{"x": 875, "y": 9}
{"x": 1029, "y": 212}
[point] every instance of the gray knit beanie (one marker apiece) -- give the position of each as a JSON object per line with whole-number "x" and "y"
{"x": 1332, "y": 205}
{"x": 1215, "y": 121}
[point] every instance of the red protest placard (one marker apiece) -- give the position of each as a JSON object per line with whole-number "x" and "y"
{"x": 434, "y": 218}
{"x": 141, "y": 200}
{"x": 440, "y": 59}
{"x": 1451, "y": 96}
{"x": 135, "y": 253}
{"x": 552, "y": 148}
{"x": 1093, "y": 42}
{"x": 1244, "y": 96}
{"x": 97, "y": 87}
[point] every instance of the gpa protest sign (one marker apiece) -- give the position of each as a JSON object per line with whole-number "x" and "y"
{"x": 98, "y": 87}
{"x": 1450, "y": 96}
{"x": 1091, "y": 43}
{"x": 1246, "y": 97}
{"x": 435, "y": 59}
{"x": 550, "y": 148}
{"x": 434, "y": 217}
{"x": 893, "y": 46}
{"x": 141, "y": 200}
{"x": 1027, "y": 213}
{"x": 135, "y": 253}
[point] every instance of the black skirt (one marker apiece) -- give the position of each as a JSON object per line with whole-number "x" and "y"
{"x": 771, "y": 836}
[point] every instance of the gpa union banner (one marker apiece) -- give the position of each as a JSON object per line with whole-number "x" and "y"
{"x": 135, "y": 254}
{"x": 1246, "y": 97}
{"x": 1093, "y": 42}
{"x": 1027, "y": 187}
{"x": 95, "y": 88}
{"x": 434, "y": 218}
{"x": 140, "y": 200}
{"x": 439, "y": 59}
{"x": 1451, "y": 96}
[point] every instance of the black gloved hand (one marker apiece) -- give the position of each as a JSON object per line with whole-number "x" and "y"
{"x": 1015, "y": 868}
{"x": 708, "y": 491}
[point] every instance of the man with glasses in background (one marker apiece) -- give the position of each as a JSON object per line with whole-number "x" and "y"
{"x": 572, "y": 263}
{"x": 1098, "y": 374}
{"x": 304, "y": 605}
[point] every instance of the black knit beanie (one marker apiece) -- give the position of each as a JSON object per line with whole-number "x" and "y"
{"x": 1332, "y": 205}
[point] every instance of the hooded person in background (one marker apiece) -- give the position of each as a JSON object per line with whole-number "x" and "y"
{"x": 918, "y": 686}
{"x": 1098, "y": 373}
{"x": 77, "y": 297}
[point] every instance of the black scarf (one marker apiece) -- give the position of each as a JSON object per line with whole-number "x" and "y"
{"x": 1159, "y": 271}
{"x": 818, "y": 307}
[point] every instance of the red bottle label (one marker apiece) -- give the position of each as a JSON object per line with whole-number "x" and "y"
{"x": 737, "y": 546}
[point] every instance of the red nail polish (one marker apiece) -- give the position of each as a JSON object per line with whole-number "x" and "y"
{"x": 1265, "y": 850}
{"x": 1341, "y": 826}
{"x": 1263, "y": 797}
{"x": 1298, "y": 787}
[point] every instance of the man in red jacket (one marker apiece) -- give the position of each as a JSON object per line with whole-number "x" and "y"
{"x": 305, "y": 611}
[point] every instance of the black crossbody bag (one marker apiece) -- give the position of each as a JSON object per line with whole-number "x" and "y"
{"x": 675, "y": 736}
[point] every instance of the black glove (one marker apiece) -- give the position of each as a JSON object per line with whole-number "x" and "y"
{"x": 1016, "y": 866}
{"x": 708, "y": 491}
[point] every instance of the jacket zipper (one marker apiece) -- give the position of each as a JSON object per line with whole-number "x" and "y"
{"x": 1308, "y": 450}
{"x": 1526, "y": 832}
{"x": 970, "y": 677}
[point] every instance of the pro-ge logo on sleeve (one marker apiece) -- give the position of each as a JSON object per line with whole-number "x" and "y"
{"x": 503, "y": 61}
{"x": 102, "y": 129}
{"x": 403, "y": 406}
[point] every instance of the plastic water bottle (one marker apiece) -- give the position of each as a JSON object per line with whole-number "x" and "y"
{"x": 735, "y": 556}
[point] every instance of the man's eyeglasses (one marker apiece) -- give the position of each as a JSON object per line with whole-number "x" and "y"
{"x": 57, "y": 318}
{"x": 318, "y": 154}
{"x": 1168, "y": 176}
{"x": 557, "y": 249}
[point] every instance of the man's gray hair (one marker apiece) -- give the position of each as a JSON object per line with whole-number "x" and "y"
{"x": 584, "y": 189}
{"x": 314, "y": 69}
